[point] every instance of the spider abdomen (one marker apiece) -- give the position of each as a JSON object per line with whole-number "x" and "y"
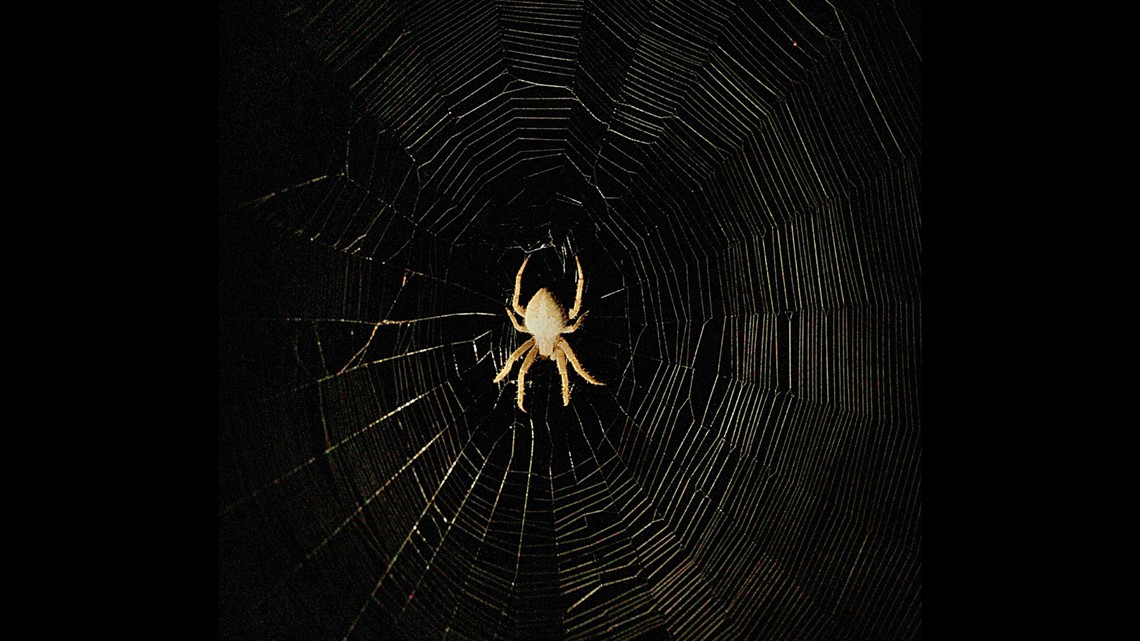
{"x": 545, "y": 320}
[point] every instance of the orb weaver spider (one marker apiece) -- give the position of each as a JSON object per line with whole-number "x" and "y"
{"x": 545, "y": 320}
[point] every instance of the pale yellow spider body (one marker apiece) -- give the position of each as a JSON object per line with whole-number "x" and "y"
{"x": 546, "y": 321}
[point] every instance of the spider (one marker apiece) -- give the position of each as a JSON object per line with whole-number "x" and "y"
{"x": 546, "y": 320}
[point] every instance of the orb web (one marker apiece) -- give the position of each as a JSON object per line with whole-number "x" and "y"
{"x": 741, "y": 183}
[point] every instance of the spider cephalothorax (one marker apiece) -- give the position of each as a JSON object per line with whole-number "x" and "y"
{"x": 546, "y": 321}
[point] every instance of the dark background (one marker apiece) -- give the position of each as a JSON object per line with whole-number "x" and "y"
{"x": 742, "y": 185}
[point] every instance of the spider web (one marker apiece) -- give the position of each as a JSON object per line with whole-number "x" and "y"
{"x": 740, "y": 181}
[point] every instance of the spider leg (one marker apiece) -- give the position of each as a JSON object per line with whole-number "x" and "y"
{"x": 512, "y": 358}
{"x": 560, "y": 358}
{"x": 522, "y": 372}
{"x": 518, "y": 285}
{"x": 570, "y": 329}
{"x": 578, "y": 298}
{"x": 577, "y": 366}
{"x": 514, "y": 321}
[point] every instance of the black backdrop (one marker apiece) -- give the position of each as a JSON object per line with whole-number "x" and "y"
{"x": 741, "y": 184}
